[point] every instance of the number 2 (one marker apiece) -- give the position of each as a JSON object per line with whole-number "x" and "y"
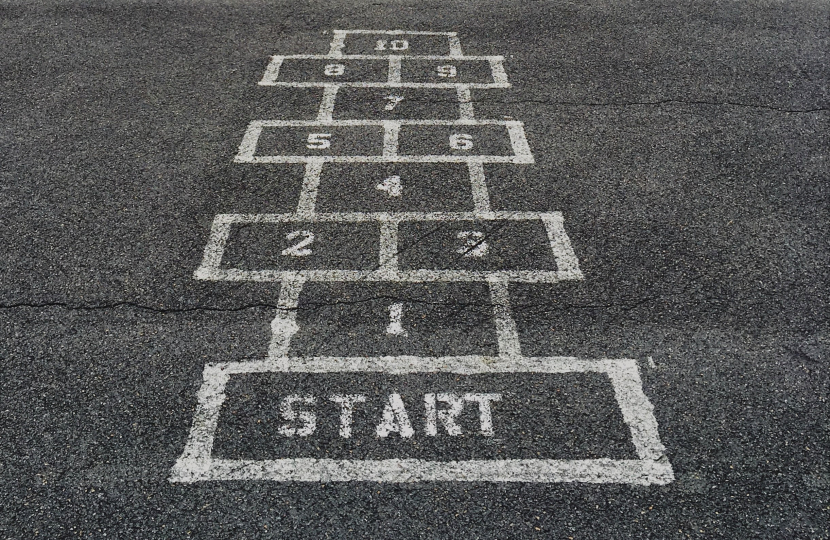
{"x": 299, "y": 249}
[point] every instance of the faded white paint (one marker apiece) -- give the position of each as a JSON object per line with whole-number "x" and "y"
{"x": 196, "y": 462}
{"x": 458, "y": 141}
{"x": 566, "y": 261}
{"x": 652, "y": 467}
{"x": 347, "y": 403}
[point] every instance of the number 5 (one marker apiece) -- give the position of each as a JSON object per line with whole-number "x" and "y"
{"x": 318, "y": 141}
{"x": 461, "y": 141}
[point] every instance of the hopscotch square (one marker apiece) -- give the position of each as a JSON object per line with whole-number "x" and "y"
{"x": 321, "y": 140}
{"x": 455, "y": 140}
{"x": 394, "y": 187}
{"x": 334, "y": 71}
{"x": 382, "y": 43}
{"x": 476, "y": 245}
{"x": 537, "y": 416}
{"x": 396, "y": 103}
{"x": 300, "y": 245}
{"x": 651, "y": 467}
{"x": 455, "y": 70}
{"x": 434, "y": 319}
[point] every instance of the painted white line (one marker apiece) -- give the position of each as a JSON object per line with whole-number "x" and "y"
{"x": 455, "y": 47}
{"x": 519, "y": 141}
{"x": 478, "y": 186}
{"x": 397, "y": 32}
{"x": 378, "y": 84}
{"x": 394, "y": 75}
{"x": 509, "y": 124}
{"x": 196, "y": 463}
{"x": 403, "y": 276}
{"x": 327, "y": 103}
{"x": 465, "y": 104}
{"x": 386, "y": 159}
{"x": 385, "y": 57}
{"x": 595, "y": 471}
{"x": 567, "y": 263}
{"x": 395, "y": 327}
{"x": 272, "y": 71}
{"x": 337, "y": 44}
{"x": 247, "y": 148}
{"x": 195, "y": 459}
{"x": 508, "y": 334}
{"x": 214, "y": 250}
{"x": 284, "y": 325}
{"x": 637, "y": 410}
{"x": 357, "y": 217}
{"x": 308, "y": 193}
{"x": 497, "y": 68}
{"x": 390, "y": 138}
{"x": 388, "y": 247}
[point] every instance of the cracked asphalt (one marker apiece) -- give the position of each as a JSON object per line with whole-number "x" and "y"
{"x": 685, "y": 143}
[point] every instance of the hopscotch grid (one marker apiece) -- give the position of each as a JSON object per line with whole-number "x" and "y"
{"x": 196, "y": 462}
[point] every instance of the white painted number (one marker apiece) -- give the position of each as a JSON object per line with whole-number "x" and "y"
{"x": 446, "y": 71}
{"x": 474, "y": 244}
{"x": 334, "y": 70}
{"x": 318, "y": 141}
{"x": 308, "y": 418}
{"x": 396, "y": 45}
{"x": 299, "y": 249}
{"x": 392, "y": 186}
{"x": 461, "y": 141}
{"x": 395, "y": 327}
{"x": 393, "y": 100}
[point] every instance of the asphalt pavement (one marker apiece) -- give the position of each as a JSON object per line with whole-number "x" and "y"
{"x": 532, "y": 270}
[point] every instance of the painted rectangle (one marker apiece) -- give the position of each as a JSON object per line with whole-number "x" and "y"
{"x": 394, "y": 187}
{"x": 455, "y": 140}
{"x": 527, "y": 416}
{"x": 197, "y": 462}
{"x": 396, "y": 104}
{"x": 321, "y": 140}
{"x": 328, "y": 70}
{"x": 394, "y": 319}
{"x": 456, "y": 70}
{"x": 301, "y": 245}
{"x": 381, "y": 43}
{"x": 475, "y": 245}
{"x": 387, "y": 265}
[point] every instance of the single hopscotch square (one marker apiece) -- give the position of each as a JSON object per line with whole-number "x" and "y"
{"x": 651, "y": 467}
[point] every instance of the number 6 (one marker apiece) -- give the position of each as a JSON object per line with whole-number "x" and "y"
{"x": 318, "y": 141}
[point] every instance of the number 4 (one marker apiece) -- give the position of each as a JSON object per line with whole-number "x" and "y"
{"x": 391, "y": 186}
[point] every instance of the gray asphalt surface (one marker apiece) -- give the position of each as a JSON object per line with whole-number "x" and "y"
{"x": 685, "y": 143}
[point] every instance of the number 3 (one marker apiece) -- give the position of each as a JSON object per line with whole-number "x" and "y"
{"x": 299, "y": 249}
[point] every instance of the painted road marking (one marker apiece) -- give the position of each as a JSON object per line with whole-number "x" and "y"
{"x": 350, "y": 132}
{"x": 394, "y": 62}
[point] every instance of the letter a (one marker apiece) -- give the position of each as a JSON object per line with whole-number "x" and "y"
{"x": 395, "y": 418}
